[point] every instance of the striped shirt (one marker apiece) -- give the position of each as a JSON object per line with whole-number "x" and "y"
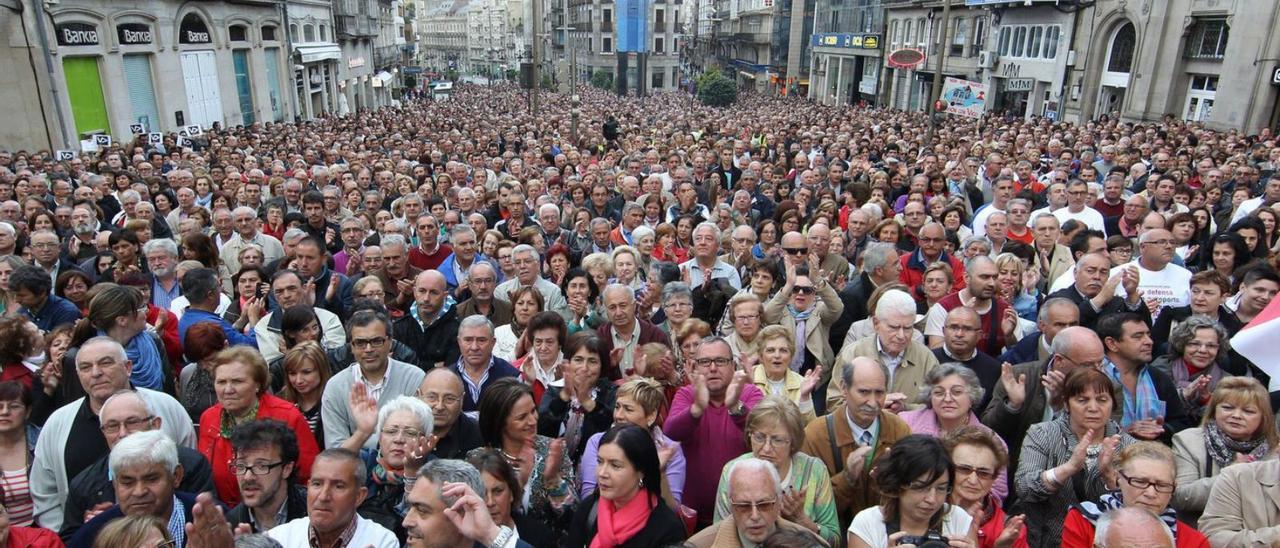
{"x": 17, "y": 497}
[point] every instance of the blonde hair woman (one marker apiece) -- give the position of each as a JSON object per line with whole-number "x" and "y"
{"x": 773, "y": 375}
{"x": 139, "y": 530}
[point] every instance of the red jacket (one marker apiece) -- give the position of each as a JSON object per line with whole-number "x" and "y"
{"x": 169, "y": 335}
{"x": 218, "y": 450}
{"x": 912, "y": 272}
{"x": 1077, "y": 532}
{"x": 990, "y": 530}
{"x": 33, "y": 537}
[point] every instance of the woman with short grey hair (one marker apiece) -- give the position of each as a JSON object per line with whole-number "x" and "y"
{"x": 1196, "y": 348}
{"x": 677, "y": 306}
{"x": 951, "y": 393}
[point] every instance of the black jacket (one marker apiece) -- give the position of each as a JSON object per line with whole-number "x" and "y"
{"x": 1089, "y": 317}
{"x": 438, "y": 343}
{"x": 295, "y": 506}
{"x": 92, "y": 486}
{"x": 463, "y": 436}
{"x": 69, "y": 388}
{"x": 854, "y": 296}
{"x": 554, "y": 413}
{"x": 664, "y": 527}
{"x": 1177, "y": 314}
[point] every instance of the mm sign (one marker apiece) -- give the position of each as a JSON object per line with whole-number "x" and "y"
{"x": 965, "y": 97}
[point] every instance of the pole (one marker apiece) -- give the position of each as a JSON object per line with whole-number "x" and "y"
{"x": 936, "y": 92}
{"x": 537, "y": 57}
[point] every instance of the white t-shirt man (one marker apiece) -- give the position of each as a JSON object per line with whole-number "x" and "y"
{"x": 1089, "y": 216}
{"x": 980, "y": 218}
{"x": 1170, "y": 286}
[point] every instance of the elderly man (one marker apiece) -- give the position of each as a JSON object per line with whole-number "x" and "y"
{"x": 332, "y": 290}
{"x": 431, "y": 326}
{"x": 477, "y": 366}
{"x": 335, "y": 490}
{"x": 880, "y": 265}
{"x": 289, "y": 291}
{"x": 124, "y": 414}
{"x": 708, "y": 417}
{"x": 625, "y": 331}
{"x": 632, "y": 217}
{"x": 1055, "y": 314}
{"x": 482, "y": 279}
{"x": 980, "y": 295}
{"x": 739, "y": 256}
{"x": 1135, "y": 526}
{"x": 906, "y": 360}
{"x": 397, "y": 274}
{"x": 377, "y": 374}
{"x": 529, "y": 274}
{"x": 960, "y": 345}
{"x": 1024, "y": 395}
{"x": 819, "y": 243}
{"x": 1129, "y": 223}
{"x": 1052, "y": 258}
{"x": 1160, "y": 282}
{"x": 859, "y": 223}
{"x": 266, "y": 456}
{"x": 754, "y": 489}
{"x": 933, "y": 240}
{"x": 705, "y": 261}
{"x": 855, "y": 434}
{"x": 1096, "y": 291}
{"x": 46, "y": 255}
{"x": 162, "y": 260}
{"x": 145, "y": 473}
{"x": 455, "y": 432}
{"x": 457, "y": 266}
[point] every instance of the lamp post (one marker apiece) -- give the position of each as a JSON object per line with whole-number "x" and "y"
{"x": 575, "y": 111}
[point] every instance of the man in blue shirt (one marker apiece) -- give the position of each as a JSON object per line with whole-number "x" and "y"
{"x": 31, "y": 289}
{"x": 202, "y": 288}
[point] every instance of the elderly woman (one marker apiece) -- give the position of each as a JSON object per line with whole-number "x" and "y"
{"x": 509, "y": 423}
{"x": 541, "y": 359}
{"x": 979, "y": 457}
{"x": 600, "y": 267}
{"x": 240, "y": 379}
{"x": 1196, "y": 348}
{"x": 1142, "y": 476}
{"x": 582, "y": 404}
{"x": 640, "y": 401}
{"x": 686, "y": 341}
{"x": 775, "y": 433}
{"x": 773, "y": 374}
{"x": 1062, "y": 460}
{"x": 645, "y": 242}
{"x": 1209, "y": 293}
{"x": 1238, "y": 427}
{"x": 403, "y": 426}
{"x": 626, "y": 269}
{"x": 763, "y": 279}
{"x": 806, "y": 305}
{"x": 746, "y": 312}
{"x": 677, "y": 306}
{"x": 949, "y": 393}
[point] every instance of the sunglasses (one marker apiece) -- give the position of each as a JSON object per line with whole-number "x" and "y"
{"x": 795, "y": 251}
{"x": 804, "y": 289}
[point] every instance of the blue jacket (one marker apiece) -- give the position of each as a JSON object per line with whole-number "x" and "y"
{"x": 451, "y": 278}
{"x": 55, "y": 312}
{"x": 234, "y": 336}
{"x": 1027, "y": 350}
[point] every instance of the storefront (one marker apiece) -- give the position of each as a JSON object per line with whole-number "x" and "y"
{"x": 845, "y": 67}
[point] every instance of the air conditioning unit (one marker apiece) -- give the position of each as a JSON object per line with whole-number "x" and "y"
{"x": 987, "y": 59}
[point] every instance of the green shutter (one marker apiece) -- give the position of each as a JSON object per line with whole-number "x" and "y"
{"x": 84, "y": 89}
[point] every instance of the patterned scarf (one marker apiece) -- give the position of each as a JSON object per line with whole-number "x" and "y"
{"x": 384, "y": 474}
{"x": 1114, "y": 501}
{"x": 230, "y": 423}
{"x": 801, "y": 317}
{"x": 1144, "y": 402}
{"x": 1223, "y": 450}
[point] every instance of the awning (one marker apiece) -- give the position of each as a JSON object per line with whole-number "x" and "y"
{"x": 381, "y": 79}
{"x": 312, "y": 52}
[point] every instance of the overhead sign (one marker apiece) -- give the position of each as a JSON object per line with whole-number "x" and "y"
{"x": 846, "y": 40}
{"x": 633, "y": 26}
{"x": 64, "y": 155}
{"x": 134, "y": 33}
{"x": 965, "y": 97}
{"x": 194, "y": 31}
{"x": 76, "y": 34}
{"x": 1019, "y": 84}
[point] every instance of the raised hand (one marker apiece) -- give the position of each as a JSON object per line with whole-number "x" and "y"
{"x": 1130, "y": 281}
{"x": 1078, "y": 455}
{"x": 792, "y": 504}
{"x": 858, "y": 458}
{"x": 363, "y": 409}
{"x": 895, "y": 402}
{"x": 701, "y": 395}
{"x": 1015, "y": 386}
{"x": 1009, "y": 323}
{"x": 734, "y": 392}
{"x": 810, "y": 382}
{"x": 209, "y": 528}
{"x": 1052, "y": 381}
{"x": 524, "y": 464}
{"x": 1110, "y": 447}
{"x": 1012, "y": 528}
{"x": 468, "y": 514}
{"x": 665, "y": 452}
{"x": 51, "y": 376}
{"x": 555, "y": 457}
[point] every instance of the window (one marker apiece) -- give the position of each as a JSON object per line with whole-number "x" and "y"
{"x": 979, "y": 35}
{"x": 1004, "y": 41}
{"x": 608, "y": 16}
{"x": 1051, "y": 42}
{"x": 1208, "y": 39}
{"x": 324, "y": 33}
{"x": 293, "y": 30}
{"x": 655, "y": 82}
{"x": 308, "y": 33}
{"x": 1019, "y": 41}
{"x": 238, "y": 33}
{"x": 658, "y": 45}
{"x": 1200, "y": 98}
{"x": 908, "y": 35}
{"x": 269, "y": 33}
{"x": 922, "y": 35}
{"x": 958, "y": 37}
{"x": 893, "y": 30}
{"x": 607, "y": 45}
{"x": 1120, "y": 58}
{"x": 1037, "y": 33}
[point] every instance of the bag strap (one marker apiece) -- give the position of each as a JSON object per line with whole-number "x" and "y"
{"x": 835, "y": 449}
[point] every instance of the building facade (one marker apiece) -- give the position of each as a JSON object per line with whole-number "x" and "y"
{"x": 316, "y": 56}
{"x": 591, "y": 43}
{"x": 443, "y": 37}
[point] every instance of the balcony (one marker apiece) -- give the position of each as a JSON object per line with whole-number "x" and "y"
{"x": 355, "y": 26}
{"x": 386, "y": 56}
{"x": 606, "y": 26}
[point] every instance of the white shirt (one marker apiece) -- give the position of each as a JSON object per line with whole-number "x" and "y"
{"x": 368, "y": 533}
{"x": 868, "y": 526}
{"x": 980, "y": 218}
{"x": 1246, "y": 207}
{"x": 1089, "y": 216}
{"x": 1171, "y": 286}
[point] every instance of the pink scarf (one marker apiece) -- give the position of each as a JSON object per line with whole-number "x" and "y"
{"x": 615, "y": 526}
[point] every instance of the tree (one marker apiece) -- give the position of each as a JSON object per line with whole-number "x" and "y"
{"x": 602, "y": 79}
{"x": 716, "y": 89}
{"x": 451, "y": 75}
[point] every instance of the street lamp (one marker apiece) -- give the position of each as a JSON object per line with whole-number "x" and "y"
{"x": 575, "y": 111}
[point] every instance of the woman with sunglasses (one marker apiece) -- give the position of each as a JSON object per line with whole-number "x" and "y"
{"x": 795, "y": 306}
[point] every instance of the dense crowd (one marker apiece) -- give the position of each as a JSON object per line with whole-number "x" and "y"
{"x": 458, "y": 323}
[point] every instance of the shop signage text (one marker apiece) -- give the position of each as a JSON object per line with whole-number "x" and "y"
{"x": 355, "y": 62}
{"x": 1019, "y": 84}
{"x": 194, "y": 31}
{"x": 134, "y": 33}
{"x": 76, "y": 34}
{"x": 846, "y": 40}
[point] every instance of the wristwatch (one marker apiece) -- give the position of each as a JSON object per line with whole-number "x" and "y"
{"x": 504, "y": 535}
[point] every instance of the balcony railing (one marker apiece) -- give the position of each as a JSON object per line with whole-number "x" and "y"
{"x": 355, "y": 26}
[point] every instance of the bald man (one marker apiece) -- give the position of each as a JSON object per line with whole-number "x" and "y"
{"x": 431, "y": 326}
{"x": 455, "y": 432}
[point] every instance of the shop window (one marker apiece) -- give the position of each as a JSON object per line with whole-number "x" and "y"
{"x": 1208, "y": 39}
{"x": 238, "y": 33}
{"x": 308, "y": 33}
{"x": 269, "y": 33}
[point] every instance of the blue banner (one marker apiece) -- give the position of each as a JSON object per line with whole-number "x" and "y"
{"x": 633, "y": 25}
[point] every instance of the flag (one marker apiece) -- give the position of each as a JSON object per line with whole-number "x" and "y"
{"x": 1255, "y": 340}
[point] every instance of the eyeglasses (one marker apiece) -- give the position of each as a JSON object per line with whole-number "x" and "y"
{"x": 804, "y": 289}
{"x": 955, "y": 393}
{"x": 254, "y": 469}
{"x": 1143, "y": 483}
{"x": 433, "y": 398}
{"x": 130, "y": 424}
{"x": 14, "y": 406}
{"x": 408, "y": 433}
{"x": 369, "y": 343}
{"x": 749, "y": 508}
{"x": 983, "y": 473}
{"x": 758, "y": 439}
{"x": 718, "y": 362}
{"x": 795, "y": 250}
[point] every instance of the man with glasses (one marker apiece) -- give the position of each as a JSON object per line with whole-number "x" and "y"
{"x": 932, "y": 250}
{"x": 266, "y": 456}
{"x": 72, "y": 438}
{"x": 708, "y": 417}
{"x": 960, "y": 345}
{"x": 755, "y": 495}
{"x": 455, "y": 432}
{"x": 482, "y": 281}
{"x": 1160, "y": 282}
{"x": 1077, "y": 197}
{"x": 124, "y": 414}
{"x": 374, "y": 372}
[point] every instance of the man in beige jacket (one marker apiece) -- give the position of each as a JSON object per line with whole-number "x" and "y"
{"x": 907, "y": 360}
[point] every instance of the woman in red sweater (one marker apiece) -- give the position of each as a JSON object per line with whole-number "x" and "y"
{"x": 240, "y": 380}
{"x": 979, "y": 456}
{"x": 1145, "y": 476}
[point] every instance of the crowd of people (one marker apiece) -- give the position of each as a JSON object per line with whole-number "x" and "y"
{"x": 457, "y": 323}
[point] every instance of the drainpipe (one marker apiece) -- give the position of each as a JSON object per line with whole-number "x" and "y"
{"x": 54, "y": 91}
